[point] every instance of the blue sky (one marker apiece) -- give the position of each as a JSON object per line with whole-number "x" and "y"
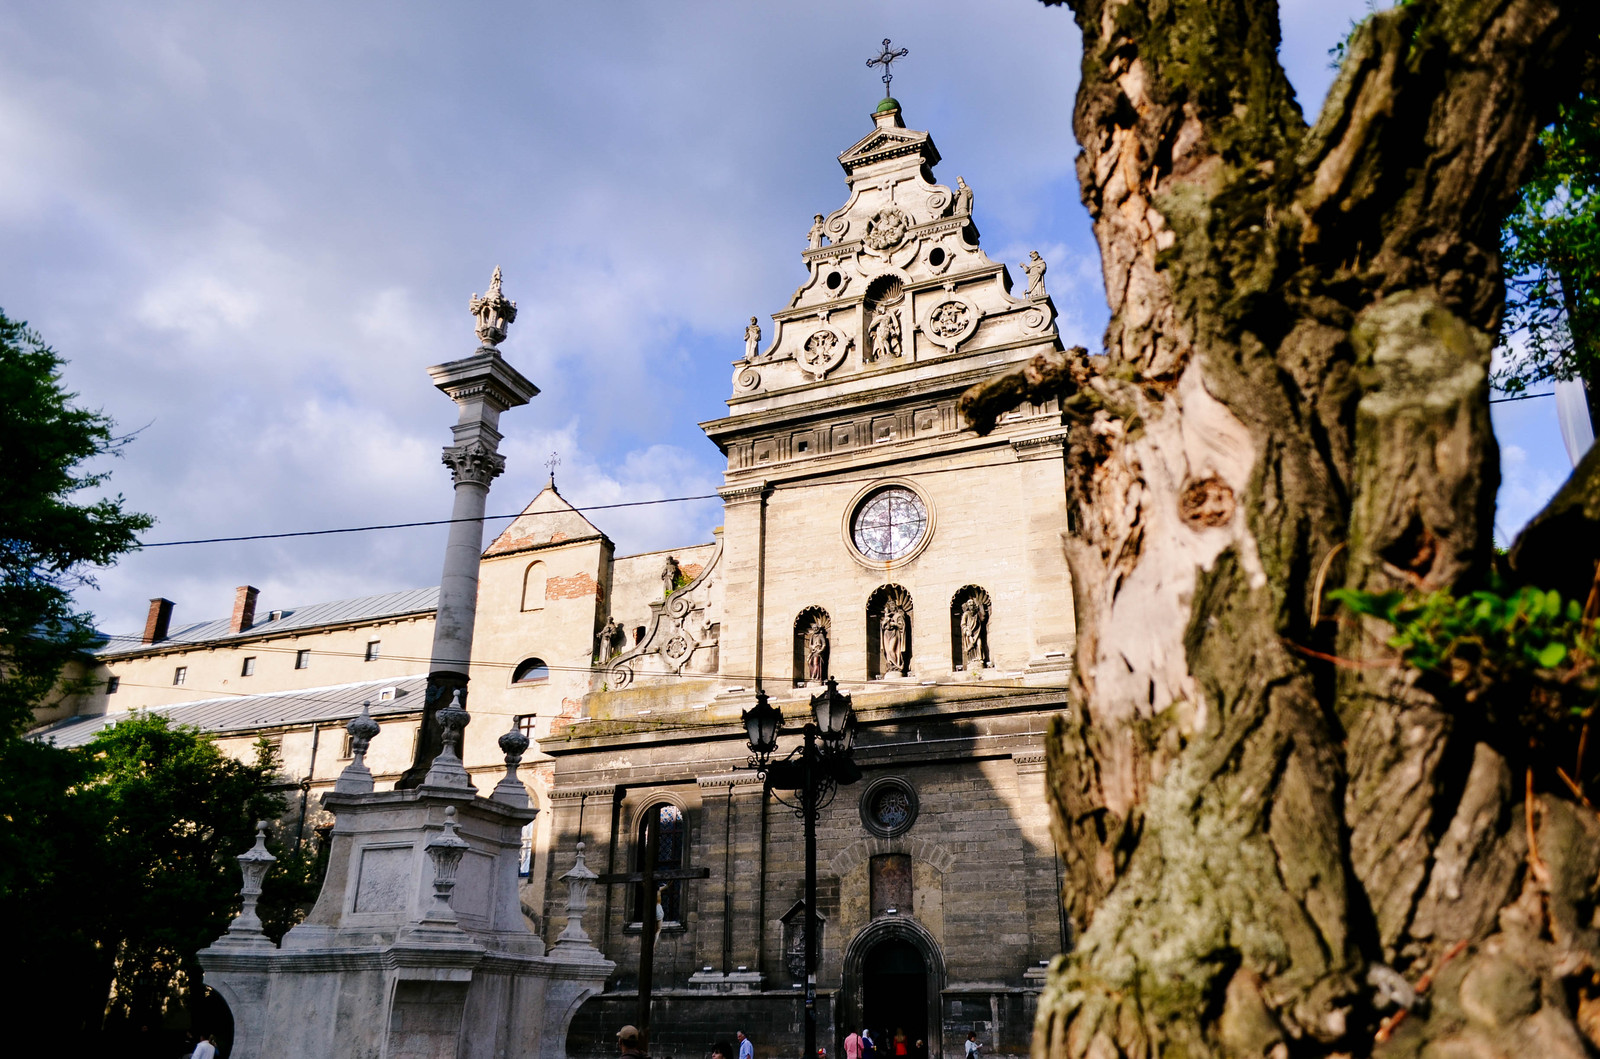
{"x": 250, "y": 231}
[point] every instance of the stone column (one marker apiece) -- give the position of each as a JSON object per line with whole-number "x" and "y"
{"x": 482, "y": 386}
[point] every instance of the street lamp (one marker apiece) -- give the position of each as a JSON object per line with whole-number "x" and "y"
{"x": 813, "y": 772}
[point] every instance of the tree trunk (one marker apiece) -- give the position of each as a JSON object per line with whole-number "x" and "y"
{"x": 1271, "y": 854}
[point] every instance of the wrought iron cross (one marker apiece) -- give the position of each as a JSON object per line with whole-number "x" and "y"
{"x": 886, "y": 60}
{"x": 553, "y": 462}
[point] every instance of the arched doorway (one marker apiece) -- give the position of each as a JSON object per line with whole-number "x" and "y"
{"x": 884, "y": 964}
{"x": 894, "y": 992}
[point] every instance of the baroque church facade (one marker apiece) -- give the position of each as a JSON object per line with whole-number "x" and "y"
{"x": 867, "y": 538}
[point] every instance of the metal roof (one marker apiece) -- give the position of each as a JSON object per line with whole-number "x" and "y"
{"x": 336, "y": 612}
{"x": 338, "y": 702}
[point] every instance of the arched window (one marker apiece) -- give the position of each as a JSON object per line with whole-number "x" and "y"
{"x": 813, "y": 643}
{"x": 671, "y": 841}
{"x": 969, "y": 629}
{"x": 531, "y": 671}
{"x": 533, "y": 586}
{"x": 888, "y": 633}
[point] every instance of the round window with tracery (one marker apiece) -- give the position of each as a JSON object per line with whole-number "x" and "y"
{"x": 889, "y": 807}
{"x": 889, "y": 524}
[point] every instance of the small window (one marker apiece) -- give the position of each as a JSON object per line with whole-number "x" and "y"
{"x": 531, "y": 671}
{"x": 387, "y": 694}
{"x": 302, "y": 659}
{"x": 180, "y": 675}
{"x": 347, "y": 751}
{"x": 112, "y": 684}
{"x": 248, "y": 669}
{"x": 525, "y": 723}
{"x": 372, "y": 650}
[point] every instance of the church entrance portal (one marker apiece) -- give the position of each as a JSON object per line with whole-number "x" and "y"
{"x": 894, "y": 994}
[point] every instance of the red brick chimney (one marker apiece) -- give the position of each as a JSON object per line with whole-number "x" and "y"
{"x": 244, "y": 608}
{"x": 155, "y": 626}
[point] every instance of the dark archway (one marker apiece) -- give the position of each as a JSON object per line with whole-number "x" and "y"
{"x": 892, "y": 945}
{"x": 894, "y": 994}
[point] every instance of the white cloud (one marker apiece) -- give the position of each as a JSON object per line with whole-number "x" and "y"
{"x": 254, "y": 228}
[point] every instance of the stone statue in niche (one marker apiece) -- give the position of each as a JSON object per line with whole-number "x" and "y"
{"x": 670, "y": 575}
{"x": 752, "y": 340}
{"x": 816, "y": 236}
{"x": 816, "y": 647}
{"x": 892, "y": 638}
{"x": 886, "y": 338}
{"x": 974, "y": 623}
{"x": 608, "y": 640}
{"x": 963, "y": 200}
{"x": 1034, "y": 267}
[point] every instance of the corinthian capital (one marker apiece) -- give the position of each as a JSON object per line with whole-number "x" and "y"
{"x": 474, "y": 462}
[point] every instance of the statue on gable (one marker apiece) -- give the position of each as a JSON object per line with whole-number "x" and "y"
{"x": 671, "y": 574}
{"x": 974, "y": 620}
{"x": 608, "y": 639}
{"x": 752, "y": 340}
{"x": 495, "y": 313}
{"x": 1034, "y": 267}
{"x": 963, "y": 200}
{"x": 886, "y": 335}
{"x": 814, "y": 239}
{"x": 816, "y": 648}
{"x": 892, "y": 638}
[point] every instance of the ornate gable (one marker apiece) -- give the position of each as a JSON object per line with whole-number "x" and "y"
{"x": 896, "y": 278}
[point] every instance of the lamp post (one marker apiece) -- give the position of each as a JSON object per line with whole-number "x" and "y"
{"x": 812, "y": 772}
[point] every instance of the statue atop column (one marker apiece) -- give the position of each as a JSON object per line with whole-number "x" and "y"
{"x": 1034, "y": 267}
{"x": 752, "y": 341}
{"x": 494, "y": 311}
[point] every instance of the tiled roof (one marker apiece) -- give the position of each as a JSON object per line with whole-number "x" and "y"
{"x": 337, "y": 612}
{"x": 339, "y": 702}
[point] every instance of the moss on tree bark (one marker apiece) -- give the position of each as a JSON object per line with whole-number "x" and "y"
{"x": 1271, "y": 854}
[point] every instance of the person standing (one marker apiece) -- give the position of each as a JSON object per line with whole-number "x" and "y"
{"x": 746, "y": 1049}
{"x": 902, "y": 1047}
{"x": 869, "y": 1047}
{"x": 205, "y": 1048}
{"x": 631, "y": 1043}
{"x": 852, "y": 1046}
{"x": 974, "y": 1046}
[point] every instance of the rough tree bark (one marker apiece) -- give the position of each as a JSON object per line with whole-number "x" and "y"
{"x": 1271, "y": 854}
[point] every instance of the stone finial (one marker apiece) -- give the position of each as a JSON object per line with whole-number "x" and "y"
{"x": 574, "y": 939}
{"x": 510, "y": 789}
{"x": 446, "y": 850}
{"x": 245, "y": 930}
{"x": 495, "y": 313}
{"x": 356, "y": 777}
{"x": 447, "y": 770}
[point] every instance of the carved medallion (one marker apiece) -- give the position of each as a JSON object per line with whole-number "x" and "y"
{"x": 948, "y": 320}
{"x": 822, "y": 352}
{"x": 887, "y": 229}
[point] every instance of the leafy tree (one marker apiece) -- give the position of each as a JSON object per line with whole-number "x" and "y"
{"x": 118, "y": 864}
{"x": 1277, "y": 837}
{"x": 1551, "y": 250}
{"x": 48, "y": 540}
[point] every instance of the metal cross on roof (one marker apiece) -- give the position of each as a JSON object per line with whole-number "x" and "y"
{"x": 553, "y": 462}
{"x": 886, "y": 60}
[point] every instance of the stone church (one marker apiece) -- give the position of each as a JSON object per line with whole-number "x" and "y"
{"x": 867, "y": 537}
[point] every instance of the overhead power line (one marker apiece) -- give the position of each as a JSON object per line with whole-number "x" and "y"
{"x": 581, "y": 510}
